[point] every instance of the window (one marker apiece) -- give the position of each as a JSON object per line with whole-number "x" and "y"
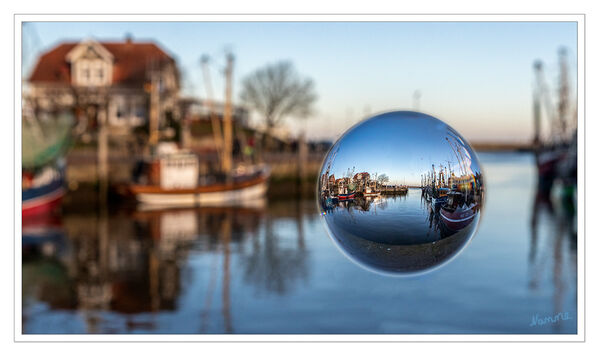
{"x": 84, "y": 72}
{"x": 138, "y": 109}
{"x": 91, "y": 72}
{"x": 120, "y": 108}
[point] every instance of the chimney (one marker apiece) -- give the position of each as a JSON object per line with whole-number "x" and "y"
{"x": 128, "y": 38}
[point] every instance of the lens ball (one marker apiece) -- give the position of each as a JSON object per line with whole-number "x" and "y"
{"x": 401, "y": 193}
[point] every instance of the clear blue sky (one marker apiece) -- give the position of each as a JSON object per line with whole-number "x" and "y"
{"x": 403, "y": 146}
{"x": 475, "y": 76}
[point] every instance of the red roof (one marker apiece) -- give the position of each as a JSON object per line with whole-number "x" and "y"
{"x": 130, "y": 62}
{"x": 363, "y": 174}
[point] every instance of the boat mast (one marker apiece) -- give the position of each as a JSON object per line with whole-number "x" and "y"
{"x": 564, "y": 97}
{"x": 538, "y": 67}
{"x": 228, "y": 126}
{"x": 449, "y": 178}
{"x": 455, "y": 151}
{"x": 542, "y": 97}
{"x": 434, "y": 180}
{"x": 216, "y": 129}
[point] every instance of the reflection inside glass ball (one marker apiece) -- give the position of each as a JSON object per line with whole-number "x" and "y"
{"x": 401, "y": 193}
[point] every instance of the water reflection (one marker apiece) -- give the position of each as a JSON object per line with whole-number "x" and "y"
{"x": 272, "y": 266}
{"x": 273, "y": 269}
{"x": 133, "y": 262}
{"x": 399, "y": 233}
{"x": 553, "y": 247}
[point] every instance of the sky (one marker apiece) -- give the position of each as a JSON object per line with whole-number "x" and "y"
{"x": 476, "y": 76}
{"x": 403, "y": 146}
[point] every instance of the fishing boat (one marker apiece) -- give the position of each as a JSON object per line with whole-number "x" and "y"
{"x": 44, "y": 145}
{"x": 441, "y": 198}
{"x": 555, "y": 148}
{"x": 172, "y": 178}
{"x": 369, "y": 192}
{"x": 458, "y": 218}
{"x": 42, "y": 191}
{"x": 234, "y": 193}
{"x": 346, "y": 196}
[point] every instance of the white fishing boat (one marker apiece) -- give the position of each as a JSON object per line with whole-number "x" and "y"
{"x": 369, "y": 192}
{"x": 173, "y": 179}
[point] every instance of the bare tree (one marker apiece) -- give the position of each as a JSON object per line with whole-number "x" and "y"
{"x": 383, "y": 179}
{"x": 277, "y": 91}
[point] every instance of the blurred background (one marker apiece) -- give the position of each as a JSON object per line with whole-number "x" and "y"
{"x": 169, "y": 174}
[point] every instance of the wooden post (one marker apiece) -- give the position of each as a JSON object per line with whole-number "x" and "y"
{"x": 154, "y": 113}
{"x": 185, "y": 137}
{"x": 302, "y": 157}
{"x": 102, "y": 171}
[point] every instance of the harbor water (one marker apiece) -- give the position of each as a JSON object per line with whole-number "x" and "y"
{"x": 272, "y": 268}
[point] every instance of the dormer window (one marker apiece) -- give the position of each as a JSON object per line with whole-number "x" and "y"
{"x": 91, "y": 65}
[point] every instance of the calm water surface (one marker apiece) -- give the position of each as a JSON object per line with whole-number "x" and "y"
{"x": 273, "y": 269}
{"x": 402, "y": 219}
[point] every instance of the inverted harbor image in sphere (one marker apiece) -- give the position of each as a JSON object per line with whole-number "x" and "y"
{"x": 401, "y": 193}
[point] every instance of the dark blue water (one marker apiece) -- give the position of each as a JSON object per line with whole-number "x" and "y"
{"x": 397, "y": 220}
{"x": 401, "y": 219}
{"x": 397, "y": 235}
{"x": 275, "y": 270}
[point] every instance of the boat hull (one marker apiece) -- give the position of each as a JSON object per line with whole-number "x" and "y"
{"x": 42, "y": 200}
{"x": 239, "y": 195}
{"x": 459, "y": 219}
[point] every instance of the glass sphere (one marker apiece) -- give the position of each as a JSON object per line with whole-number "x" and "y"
{"x": 401, "y": 193}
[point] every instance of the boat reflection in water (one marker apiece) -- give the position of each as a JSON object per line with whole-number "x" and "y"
{"x": 121, "y": 272}
{"x": 404, "y": 234}
{"x": 84, "y": 272}
{"x": 416, "y": 200}
{"x": 552, "y": 256}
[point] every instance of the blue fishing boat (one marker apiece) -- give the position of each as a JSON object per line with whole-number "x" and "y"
{"x": 43, "y": 191}
{"x": 44, "y": 144}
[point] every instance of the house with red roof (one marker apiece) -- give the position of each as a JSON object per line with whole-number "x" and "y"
{"x": 125, "y": 84}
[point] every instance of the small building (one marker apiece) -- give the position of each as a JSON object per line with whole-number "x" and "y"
{"x": 361, "y": 181}
{"x": 332, "y": 180}
{"x": 121, "y": 83}
{"x": 342, "y": 185}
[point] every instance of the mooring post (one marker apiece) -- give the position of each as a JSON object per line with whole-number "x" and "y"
{"x": 102, "y": 170}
